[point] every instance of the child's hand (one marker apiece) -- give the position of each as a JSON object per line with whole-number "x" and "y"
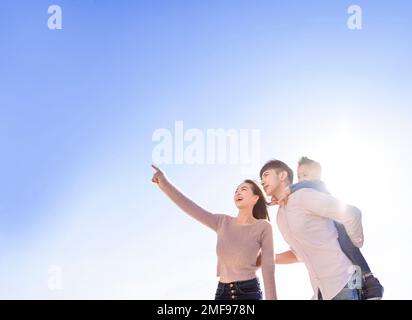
{"x": 273, "y": 201}
{"x": 283, "y": 198}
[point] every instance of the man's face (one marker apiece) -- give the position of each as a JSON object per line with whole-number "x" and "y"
{"x": 305, "y": 172}
{"x": 270, "y": 181}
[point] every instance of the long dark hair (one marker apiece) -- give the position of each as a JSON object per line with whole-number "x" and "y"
{"x": 260, "y": 211}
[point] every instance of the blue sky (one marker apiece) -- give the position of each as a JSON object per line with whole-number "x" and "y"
{"x": 78, "y": 108}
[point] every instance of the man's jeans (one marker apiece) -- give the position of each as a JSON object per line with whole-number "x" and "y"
{"x": 345, "y": 294}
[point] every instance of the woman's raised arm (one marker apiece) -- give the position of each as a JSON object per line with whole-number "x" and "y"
{"x": 183, "y": 202}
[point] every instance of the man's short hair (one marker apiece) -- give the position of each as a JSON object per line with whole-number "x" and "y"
{"x": 279, "y": 166}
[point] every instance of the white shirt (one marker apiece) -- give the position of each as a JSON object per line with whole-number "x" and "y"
{"x": 306, "y": 224}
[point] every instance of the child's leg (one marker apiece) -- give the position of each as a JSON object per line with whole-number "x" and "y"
{"x": 371, "y": 287}
{"x": 352, "y": 252}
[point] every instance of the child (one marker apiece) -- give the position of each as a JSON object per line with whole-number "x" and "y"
{"x": 309, "y": 176}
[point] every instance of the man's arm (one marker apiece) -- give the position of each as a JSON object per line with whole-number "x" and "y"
{"x": 286, "y": 257}
{"x": 325, "y": 205}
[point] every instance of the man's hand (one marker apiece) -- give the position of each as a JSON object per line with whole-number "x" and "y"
{"x": 259, "y": 260}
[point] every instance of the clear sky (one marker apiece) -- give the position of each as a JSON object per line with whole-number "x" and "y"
{"x": 79, "y": 106}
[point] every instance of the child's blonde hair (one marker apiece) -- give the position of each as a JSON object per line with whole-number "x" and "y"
{"x": 314, "y": 165}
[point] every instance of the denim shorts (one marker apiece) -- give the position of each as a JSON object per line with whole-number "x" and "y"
{"x": 239, "y": 290}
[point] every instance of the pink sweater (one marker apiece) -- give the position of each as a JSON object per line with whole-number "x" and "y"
{"x": 238, "y": 247}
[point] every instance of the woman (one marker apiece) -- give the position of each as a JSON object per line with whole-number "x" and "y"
{"x": 239, "y": 240}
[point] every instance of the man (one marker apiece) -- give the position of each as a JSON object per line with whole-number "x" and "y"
{"x": 309, "y": 176}
{"x": 306, "y": 224}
